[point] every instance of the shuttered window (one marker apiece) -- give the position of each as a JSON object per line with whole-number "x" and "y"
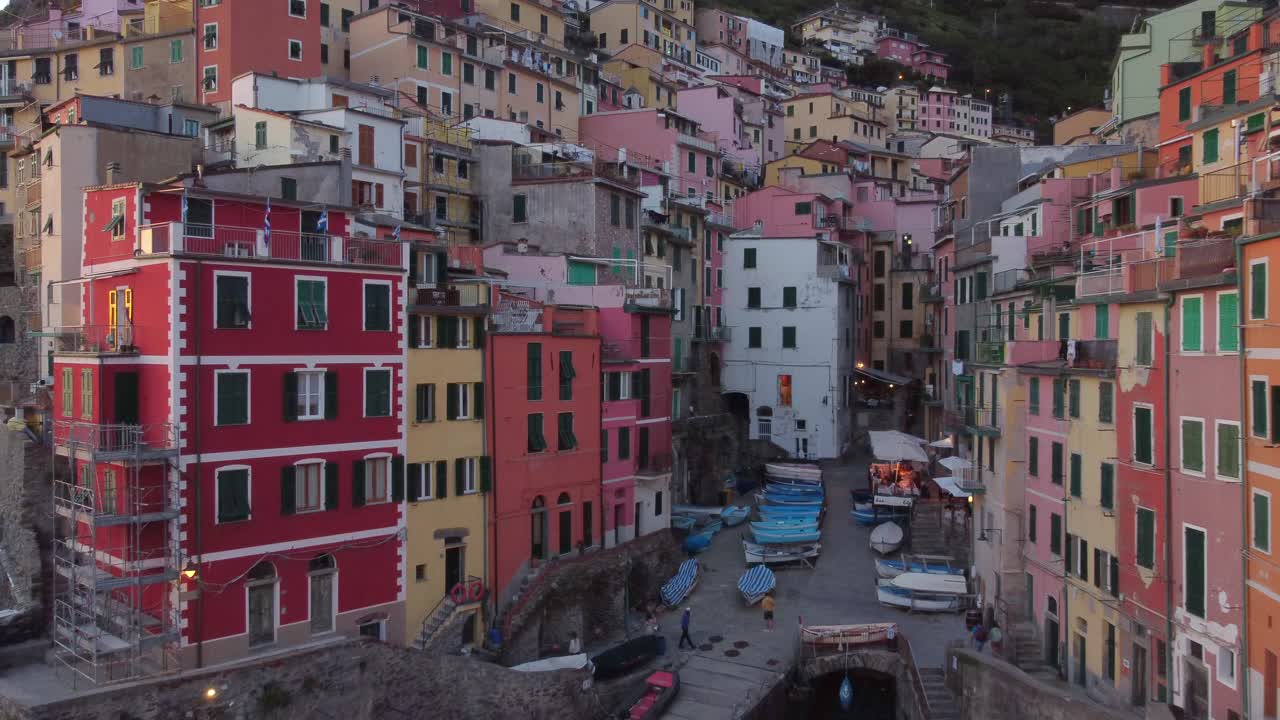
{"x": 1193, "y": 571}
{"x": 1193, "y": 445}
{"x": 1101, "y": 322}
{"x": 1209, "y": 150}
{"x": 1191, "y": 327}
{"x": 534, "y": 363}
{"x": 1107, "y": 486}
{"x": 1258, "y": 407}
{"x": 1146, "y": 524}
{"x": 1145, "y": 339}
{"x": 1032, "y": 524}
{"x": 624, "y": 443}
{"x": 566, "y": 440}
{"x": 1077, "y": 472}
{"x": 1055, "y": 463}
{"x": 425, "y": 402}
{"x": 1055, "y": 533}
{"x": 1059, "y": 393}
{"x": 1142, "y": 450}
{"x": 377, "y": 393}
{"x": 1228, "y": 322}
{"x": 233, "y": 495}
{"x": 232, "y": 300}
{"x": 1073, "y": 398}
{"x": 1184, "y": 104}
{"x": 1033, "y": 399}
{"x": 1033, "y": 456}
{"x": 377, "y": 307}
{"x": 748, "y": 258}
{"x": 312, "y": 312}
{"x": 1261, "y": 521}
{"x": 1229, "y": 87}
{"x": 1106, "y": 402}
{"x": 1258, "y": 291}
{"x": 537, "y": 442}
{"x": 232, "y": 398}
{"x": 1228, "y": 450}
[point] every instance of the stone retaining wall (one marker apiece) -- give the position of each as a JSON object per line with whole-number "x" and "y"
{"x": 992, "y": 689}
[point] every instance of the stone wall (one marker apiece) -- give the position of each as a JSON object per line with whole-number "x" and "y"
{"x": 910, "y": 701}
{"x": 25, "y": 525}
{"x": 590, "y": 596}
{"x": 351, "y": 680}
{"x": 19, "y": 359}
{"x": 991, "y": 689}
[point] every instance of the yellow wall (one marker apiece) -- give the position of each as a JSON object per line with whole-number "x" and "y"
{"x": 656, "y": 94}
{"x": 1128, "y": 162}
{"x": 429, "y": 442}
{"x": 808, "y": 166}
{"x": 531, "y": 14}
{"x": 824, "y": 122}
{"x": 613, "y": 17}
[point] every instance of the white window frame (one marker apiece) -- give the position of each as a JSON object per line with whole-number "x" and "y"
{"x": 1253, "y": 519}
{"x": 1217, "y": 450}
{"x": 470, "y": 483}
{"x": 464, "y": 333}
{"x": 426, "y": 260}
{"x": 364, "y": 317}
{"x": 1217, "y": 322}
{"x": 187, "y": 124}
{"x": 1182, "y": 310}
{"x": 304, "y": 9}
{"x": 300, "y": 490}
{"x": 426, "y": 331}
{"x": 292, "y": 42}
{"x": 1227, "y": 677}
{"x": 248, "y": 489}
{"x": 624, "y": 385}
{"x": 426, "y": 479}
{"x": 364, "y": 396}
{"x": 248, "y": 296}
{"x": 1182, "y": 452}
{"x": 1248, "y": 314}
{"x": 1133, "y": 433}
{"x": 306, "y": 377}
{"x": 204, "y": 34}
{"x": 1266, "y": 414}
{"x": 204, "y": 75}
{"x": 1104, "y": 569}
{"x": 464, "y": 391}
{"x": 124, "y": 208}
{"x": 370, "y": 462}
{"x": 248, "y": 391}
{"x": 311, "y": 278}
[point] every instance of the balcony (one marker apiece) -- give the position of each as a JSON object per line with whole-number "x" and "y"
{"x": 654, "y": 464}
{"x": 33, "y": 192}
{"x": 649, "y": 297}
{"x": 1229, "y": 183}
{"x": 722, "y": 218}
{"x": 990, "y": 353}
{"x": 94, "y": 340}
{"x": 244, "y": 243}
{"x": 982, "y": 420}
{"x": 714, "y": 334}
{"x": 466, "y": 295}
{"x": 572, "y": 171}
{"x": 911, "y": 263}
{"x": 929, "y": 344}
{"x": 115, "y": 441}
{"x": 32, "y": 255}
{"x": 835, "y": 272}
{"x": 1007, "y": 280}
{"x": 931, "y": 293}
{"x": 697, "y": 143}
{"x": 1092, "y": 354}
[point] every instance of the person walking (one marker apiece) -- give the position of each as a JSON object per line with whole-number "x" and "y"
{"x": 980, "y": 636}
{"x": 684, "y": 630}
{"x": 767, "y": 604}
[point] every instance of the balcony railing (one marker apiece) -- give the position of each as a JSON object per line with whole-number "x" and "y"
{"x": 94, "y": 339}
{"x": 1092, "y": 354}
{"x": 697, "y": 142}
{"x": 1007, "y": 280}
{"x": 467, "y": 295}
{"x": 723, "y": 218}
{"x": 715, "y": 333}
{"x": 931, "y": 293}
{"x": 114, "y": 438}
{"x": 654, "y": 464}
{"x": 1227, "y": 183}
{"x": 903, "y": 262}
{"x": 835, "y": 272}
{"x": 253, "y": 243}
{"x": 649, "y": 297}
{"x": 571, "y": 170}
{"x": 991, "y": 353}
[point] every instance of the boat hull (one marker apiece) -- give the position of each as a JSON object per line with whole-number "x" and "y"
{"x": 844, "y": 635}
{"x": 796, "y": 471}
{"x": 919, "y": 602}
{"x": 657, "y": 696}
{"x": 886, "y": 538}
{"x": 678, "y": 588}
{"x": 941, "y": 584}
{"x": 733, "y": 516}
{"x": 890, "y": 568}
{"x": 785, "y": 537}
{"x": 771, "y": 554}
{"x": 622, "y": 659}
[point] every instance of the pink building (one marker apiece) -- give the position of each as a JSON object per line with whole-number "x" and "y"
{"x": 731, "y": 60}
{"x": 661, "y": 139}
{"x": 931, "y": 64}
{"x": 905, "y": 49}
{"x": 715, "y": 26}
{"x": 720, "y": 115}
{"x": 938, "y": 110}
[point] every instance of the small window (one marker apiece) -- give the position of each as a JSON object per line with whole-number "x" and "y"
{"x": 425, "y": 403}
{"x": 135, "y": 57}
{"x": 298, "y": 8}
{"x": 789, "y": 337}
{"x": 748, "y": 258}
{"x": 520, "y": 208}
{"x": 231, "y": 388}
{"x": 308, "y": 487}
{"x": 232, "y": 301}
{"x": 310, "y": 396}
{"x": 289, "y": 188}
{"x": 377, "y": 306}
{"x": 295, "y": 50}
{"x": 377, "y": 480}
{"x": 1261, "y": 521}
{"x": 377, "y": 392}
{"x": 232, "y": 495}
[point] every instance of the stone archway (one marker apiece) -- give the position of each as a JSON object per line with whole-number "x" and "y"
{"x": 871, "y": 666}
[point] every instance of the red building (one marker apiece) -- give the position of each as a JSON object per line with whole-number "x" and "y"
{"x": 544, "y": 431}
{"x": 231, "y": 410}
{"x": 280, "y": 38}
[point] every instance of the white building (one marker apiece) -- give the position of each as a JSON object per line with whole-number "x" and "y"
{"x": 764, "y": 42}
{"x": 792, "y": 347}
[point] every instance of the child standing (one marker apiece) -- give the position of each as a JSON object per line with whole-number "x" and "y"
{"x": 767, "y": 604}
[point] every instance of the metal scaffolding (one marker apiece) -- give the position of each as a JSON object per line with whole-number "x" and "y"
{"x": 116, "y": 555}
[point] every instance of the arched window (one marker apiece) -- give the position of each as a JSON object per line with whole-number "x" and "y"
{"x": 262, "y": 571}
{"x": 1052, "y": 607}
{"x": 538, "y": 502}
{"x": 7, "y": 332}
{"x": 320, "y": 563}
{"x": 563, "y": 499}
{"x": 538, "y": 529}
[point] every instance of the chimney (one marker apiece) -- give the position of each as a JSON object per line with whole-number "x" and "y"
{"x": 1116, "y": 174}
{"x": 1210, "y": 56}
{"x": 1257, "y": 36}
{"x": 113, "y": 168}
{"x": 1166, "y": 74}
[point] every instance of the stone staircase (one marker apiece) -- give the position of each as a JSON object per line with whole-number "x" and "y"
{"x": 942, "y": 704}
{"x": 934, "y": 532}
{"x": 436, "y": 622}
{"x": 1028, "y": 655}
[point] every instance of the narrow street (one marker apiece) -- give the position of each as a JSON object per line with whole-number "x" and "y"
{"x": 737, "y": 661}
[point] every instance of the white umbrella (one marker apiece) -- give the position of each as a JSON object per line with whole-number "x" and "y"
{"x": 894, "y": 446}
{"x": 950, "y": 485}
{"x": 955, "y": 463}
{"x": 944, "y": 443}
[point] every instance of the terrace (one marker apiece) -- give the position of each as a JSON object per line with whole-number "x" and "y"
{"x": 243, "y": 243}
{"x": 1146, "y": 260}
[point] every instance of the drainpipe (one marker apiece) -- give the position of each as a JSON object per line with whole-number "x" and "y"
{"x": 492, "y": 500}
{"x": 1168, "y": 500}
{"x": 1244, "y": 500}
{"x": 1064, "y": 618}
{"x": 196, "y": 477}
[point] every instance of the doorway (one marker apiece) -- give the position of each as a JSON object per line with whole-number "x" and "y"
{"x": 1029, "y": 603}
{"x": 638, "y": 515}
{"x": 1079, "y": 647}
{"x": 1051, "y": 634}
{"x": 1138, "y": 690}
{"x": 126, "y": 400}
{"x": 455, "y": 565}
{"x": 469, "y": 629}
{"x": 262, "y": 604}
{"x": 617, "y": 524}
{"x": 538, "y": 529}
{"x": 1269, "y": 681}
{"x": 566, "y": 532}
{"x": 1195, "y": 700}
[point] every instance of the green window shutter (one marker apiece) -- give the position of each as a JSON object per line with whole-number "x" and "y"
{"x": 1032, "y": 524}
{"x": 330, "y": 395}
{"x": 288, "y": 490}
{"x": 451, "y": 391}
{"x": 1106, "y": 402}
{"x": 1258, "y": 291}
{"x": 1228, "y": 437}
{"x": 1084, "y": 558}
{"x": 534, "y": 362}
{"x": 624, "y": 443}
{"x": 1107, "y": 483}
{"x": 233, "y": 495}
{"x": 397, "y": 478}
{"x": 1171, "y": 243}
{"x": 331, "y": 486}
{"x": 290, "y": 396}
{"x": 233, "y": 399}
{"x": 460, "y": 476}
{"x": 486, "y": 474}
{"x": 1145, "y": 338}
{"x": 477, "y": 401}
{"x": 175, "y": 51}
{"x": 1033, "y": 399}
{"x": 755, "y": 337}
{"x": 1033, "y": 456}
{"x": 753, "y": 297}
{"x": 1229, "y": 87}
{"x": 748, "y": 258}
{"x": 982, "y": 285}
{"x": 1101, "y": 322}
{"x": 1228, "y": 322}
{"x": 1059, "y": 399}
{"x": 1193, "y": 580}
{"x": 1209, "y": 152}
{"x": 604, "y": 446}
{"x": 1055, "y": 463}
{"x": 788, "y": 297}
{"x": 1142, "y": 435}
{"x": 1258, "y": 411}
{"x": 1080, "y": 224}
{"x": 1055, "y": 533}
{"x": 1191, "y": 329}
{"x": 357, "y": 483}
{"x": 1073, "y": 398}
{"x": 1184, "y": 104}
{"x": 442, "y": 479}
{"x": 1146, "y": 522}
{"x": 1077, "y": 481}
{"x": 1261, "y": 522}
{"x": 1256, "y": 122}
{"x": 1071, "y": 547}
{"x": 1193, "y": 445}
{"x": 423, "y": 57}
{"x": 567, "y": 374}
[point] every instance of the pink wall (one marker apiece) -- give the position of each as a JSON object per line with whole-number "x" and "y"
{"x": 1153, "y": 201}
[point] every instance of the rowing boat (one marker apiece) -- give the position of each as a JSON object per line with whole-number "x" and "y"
{"x": 770, "y": 554}
{"x": 886, "y": 537}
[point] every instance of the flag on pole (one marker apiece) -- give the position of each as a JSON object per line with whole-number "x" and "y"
{"x": 266, "y": 224}
{"x": 396, "y": 233}
{"x": 184, "y": 206}
{"x": 322, "y": 225}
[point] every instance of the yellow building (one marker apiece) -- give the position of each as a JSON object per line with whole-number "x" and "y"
{"x": 647, "y": 82}
{"x": 517, "y": 15}
{"x": 620, "y": 23}
{"x": 898, "y": 275}
{"x": 828, "y": 116}
{"x": 447, "y": 196}
{"x": 447, "y": 470}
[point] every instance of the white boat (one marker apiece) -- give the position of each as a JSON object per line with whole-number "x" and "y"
{"x": 697, "y": 510}
{"x": 769, "y": 554}
{"x": 936, "y": 564}
{"x": 920, "y": 602}
{"x": 563, "y": 662}
{"x": 931, "y": 583}
{"x": 886, "y": 537}
{"x": 798, "y": 471}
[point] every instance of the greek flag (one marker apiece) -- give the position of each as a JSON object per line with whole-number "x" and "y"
{"x": 322, "y": 225}
{"x": 396, "y": 233}
{"x": 266, "y": 224}
{"x": 184, "y": 206}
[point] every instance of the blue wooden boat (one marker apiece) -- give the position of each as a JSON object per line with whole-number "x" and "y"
{"x": 790, "y": 492}
{"x": 782, "y": 512}
{"x": 679, "y": 587}
{"x": 734, "y": 515}
{"x": 696, "y": 543}
{"x": 893, "y": 567}
{"x": 794, "y": 487}
{"x": 709, "y": 527}
{"x": 682, "y": 522}
{"x": 768, "y": 525}
{"x": 755, "y": 583}
{"x": 787, "y": 536}
{"x": 868, "y": 514}
{"x": 776, "y": 499}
